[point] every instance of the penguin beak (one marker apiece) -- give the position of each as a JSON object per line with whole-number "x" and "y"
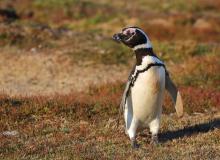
{"x": 117, "y": 37}
{"x": 120, "y": 37}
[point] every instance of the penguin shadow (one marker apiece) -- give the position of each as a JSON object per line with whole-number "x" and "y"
{"x": 190, "y": 130}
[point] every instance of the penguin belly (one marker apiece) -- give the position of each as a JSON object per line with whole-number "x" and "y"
{"x": 147, "y": 96}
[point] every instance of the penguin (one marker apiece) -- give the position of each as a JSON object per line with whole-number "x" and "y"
{"x": 144, "y": 92}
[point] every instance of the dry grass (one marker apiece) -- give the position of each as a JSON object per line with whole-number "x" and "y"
{"x": 62, "y": 77}
{"x": 84, "y": 126}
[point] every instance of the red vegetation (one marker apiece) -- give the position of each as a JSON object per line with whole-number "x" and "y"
{"x": 98, "y": 103}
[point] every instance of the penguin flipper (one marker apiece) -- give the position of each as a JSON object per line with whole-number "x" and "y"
{"x": 125, "y": 93}
{"x": 124, "y": 96}
{"x": 175, "y": 94}
{"x": 123, "y": 100}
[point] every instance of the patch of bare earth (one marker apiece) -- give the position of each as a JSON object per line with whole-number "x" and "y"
{"x": 39, "y": 73}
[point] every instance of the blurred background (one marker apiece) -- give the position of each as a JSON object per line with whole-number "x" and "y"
{"x": 49, "y": 46}
{"x": 62, "y": 77}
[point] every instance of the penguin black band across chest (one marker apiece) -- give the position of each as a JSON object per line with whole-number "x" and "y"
{"x": 134, "y": 77}
{"x": 140, "y": 53}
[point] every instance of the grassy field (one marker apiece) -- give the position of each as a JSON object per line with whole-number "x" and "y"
{"x": 62, "y": 77}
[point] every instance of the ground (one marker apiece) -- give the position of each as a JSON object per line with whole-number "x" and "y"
{"x": 62, "y": 78}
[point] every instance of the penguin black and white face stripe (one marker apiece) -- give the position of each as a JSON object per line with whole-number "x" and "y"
{"x": 133, "y": 37}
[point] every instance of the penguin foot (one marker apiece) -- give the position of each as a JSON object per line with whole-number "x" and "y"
{"x": 134, "y": 144}
{"x": 154, "y": 140}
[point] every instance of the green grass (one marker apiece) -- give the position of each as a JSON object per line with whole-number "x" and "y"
{"x": 54, "y": 3}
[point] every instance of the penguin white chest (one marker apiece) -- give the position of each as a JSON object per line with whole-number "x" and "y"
{"x": 147, "y": 94}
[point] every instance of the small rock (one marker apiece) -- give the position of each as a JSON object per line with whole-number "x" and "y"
{"x": 83, "y": 122}
{"x": 10, "y": 133}
{"x": 33, "y": 50}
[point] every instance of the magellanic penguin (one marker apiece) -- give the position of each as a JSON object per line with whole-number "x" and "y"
{"x": 143, "y": 96}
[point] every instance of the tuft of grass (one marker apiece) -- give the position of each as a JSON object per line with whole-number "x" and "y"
{"x": 202, "y": 49}
{"x": 54, "y": 3}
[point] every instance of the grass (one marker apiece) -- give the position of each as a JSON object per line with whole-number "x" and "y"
{"x": 83, "y": 126}
{"x": 62, "y": 77}
{"x": 54, "y": 3}
{"x": 166, "y": 6}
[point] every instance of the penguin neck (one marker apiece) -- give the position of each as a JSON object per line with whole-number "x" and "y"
{"x": 143, "y": 52}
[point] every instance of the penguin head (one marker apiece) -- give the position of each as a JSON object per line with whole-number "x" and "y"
{"x": 133, "y": 37}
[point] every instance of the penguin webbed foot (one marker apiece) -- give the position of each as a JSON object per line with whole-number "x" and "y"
{"x": 154, "y": 140}
{"x": 134, "y": 144}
